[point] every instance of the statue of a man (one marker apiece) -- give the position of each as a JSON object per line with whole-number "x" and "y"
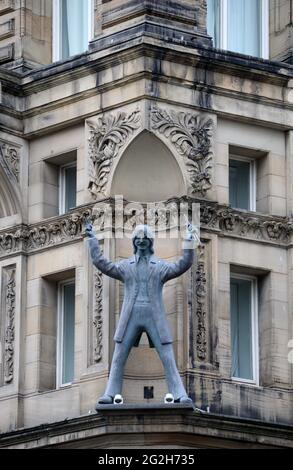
{"x": 143, "y": 310}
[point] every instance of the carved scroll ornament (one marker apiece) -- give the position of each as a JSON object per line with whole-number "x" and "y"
{"x": 106, "y": 138}
{"x": 98, "y": 317}
{"x": 10, "y": 160}
{"x": 9, "y": 318}
{"x": 200, "y": 302}
{"x": 191, "y": 136}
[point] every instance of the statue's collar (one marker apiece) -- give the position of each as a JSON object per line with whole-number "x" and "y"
{"x": 152, "y": 259}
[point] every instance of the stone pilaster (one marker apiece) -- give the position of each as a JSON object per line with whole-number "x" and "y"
{"x": 180, "y": 21}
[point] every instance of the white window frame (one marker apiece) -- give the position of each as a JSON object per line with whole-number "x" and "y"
{"x": 60, "y": 327}
{"x": 254, "y": 329}
{"x": 62, "y": 185}
{"x": 56, "y": 27}
{"x": 252, "y": 180}
{"x": 264, "y": 27}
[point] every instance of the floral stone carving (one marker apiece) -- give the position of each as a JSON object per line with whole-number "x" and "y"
{"x": 106, "y": 138}
{"x": 191, "y": 136}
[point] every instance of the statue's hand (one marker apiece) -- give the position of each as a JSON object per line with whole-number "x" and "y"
{"x": 89, "y": 231}
{"x": 192, "y": 233}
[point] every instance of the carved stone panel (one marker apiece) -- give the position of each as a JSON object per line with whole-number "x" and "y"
{"x": 98, "y": 317}
{"x": 10, "y": 160}
{"x": 201, "y": 330}
{"x": 214, "y": 218}
{"x": 201, "y": 305}
{"x": 107, "y": 137}
{"x": 95, "y": 315}
{"x": 190, "y": 134}
{"x": 7, "y": 323}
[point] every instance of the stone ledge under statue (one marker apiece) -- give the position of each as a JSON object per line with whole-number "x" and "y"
{"x": 131, "y": 428}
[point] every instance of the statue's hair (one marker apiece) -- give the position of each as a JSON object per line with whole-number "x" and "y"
{"x": 148, "y": 233}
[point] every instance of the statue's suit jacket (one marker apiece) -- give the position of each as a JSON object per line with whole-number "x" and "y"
{"x": 159, "y": 272}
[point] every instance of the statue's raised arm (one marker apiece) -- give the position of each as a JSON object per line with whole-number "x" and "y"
{"x": 190, "y": 242}
{"x": 106, "y": 266}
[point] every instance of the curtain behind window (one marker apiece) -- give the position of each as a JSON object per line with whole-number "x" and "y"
{"x": 70, "y": 188}
{"x": 68, "y": 333}
{"x": 241, "y": 329}
{"x": 244, "y": 26}
{"x": 213, "y": 21}
{"x": 239, "y": 184}
{"x": 74, "y": 27}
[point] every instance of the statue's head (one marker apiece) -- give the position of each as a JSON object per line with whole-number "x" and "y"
{"x": 143, "y": 239}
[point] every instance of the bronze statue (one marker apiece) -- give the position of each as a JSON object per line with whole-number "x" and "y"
{"x": 143, "y": 310}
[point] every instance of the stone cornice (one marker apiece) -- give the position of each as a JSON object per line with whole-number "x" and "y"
{"x": 92, "y": 61}
{"x": 220, "y": 220}
{"x": 129, "y": 423}
{"x": 211, "y": 90}
{"x": 152, "y": 51}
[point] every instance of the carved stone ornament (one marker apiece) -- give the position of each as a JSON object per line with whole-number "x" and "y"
{"x": 97, "y": 315}
{"x": 10, "y": 160}
{"x": 215, "y": 218}
{"x": 191, "y": 136}
{"x": 200, "y": 302}
{"x": 241, "y": 224}
{"x": 106, "y": 138}
{"x": 9, "y": 293}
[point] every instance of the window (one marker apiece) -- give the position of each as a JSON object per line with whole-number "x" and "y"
{"x": 67, "y": 197}
{"x": 66, "y": 320}
{"x": 239, "y": 25}
{"x": 71, "y": 27}
{"x": 242, "y": 183}
{"x": 244, "y": 328}
{"x": 59, "y": 178}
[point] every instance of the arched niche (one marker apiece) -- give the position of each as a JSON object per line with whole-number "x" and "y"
{"x": 147, "y": 172}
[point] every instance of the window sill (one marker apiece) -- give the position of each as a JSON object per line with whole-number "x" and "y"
{"x": 62, "y": 386}
{"x": 251, "y": 383}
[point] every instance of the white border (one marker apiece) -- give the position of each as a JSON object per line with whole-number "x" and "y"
{"x": 252, "y": 179}
{"x": 60, "y": 326}
{"x": 254, "y": 328}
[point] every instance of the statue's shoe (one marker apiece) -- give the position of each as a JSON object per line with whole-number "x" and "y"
{"x": 105, "y": 400}
{"x": 185, "y": 399}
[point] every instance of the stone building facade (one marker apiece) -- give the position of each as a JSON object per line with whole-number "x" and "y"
{"x": 152, "y": 111}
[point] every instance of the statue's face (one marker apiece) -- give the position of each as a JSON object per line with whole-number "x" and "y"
{"x": 142, "y": 242}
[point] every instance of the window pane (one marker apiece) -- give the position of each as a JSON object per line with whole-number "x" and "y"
{"x": 213, "y": 21}
{"x": 70, "y": 188}
{"x": 73, "y": 27}
{"x": 239, "y": 184}
{"x": 241, "y": 329}
{"x": 244, "y": 26}
{"x": 68, "y": 333}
